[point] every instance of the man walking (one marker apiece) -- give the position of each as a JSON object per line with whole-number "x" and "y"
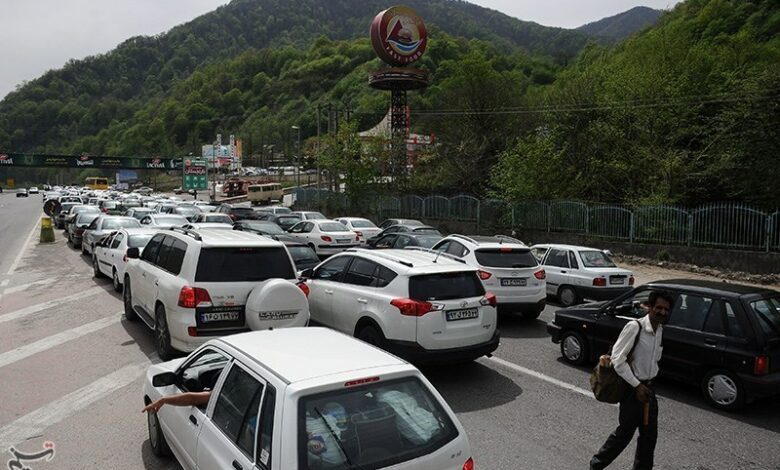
{"x": 638, "y": 372}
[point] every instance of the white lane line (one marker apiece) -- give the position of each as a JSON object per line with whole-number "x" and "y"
{"x": 35, "y": 422}
{"x": 23, "y": 249}
{"x": 22, "y": 352}
{"x": 539, "y": 375}
{"x": 32, "y": 309}
{"x": 22, "y": 287}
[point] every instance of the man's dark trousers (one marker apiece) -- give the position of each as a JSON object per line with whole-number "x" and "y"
{"x": 631, "y": 418}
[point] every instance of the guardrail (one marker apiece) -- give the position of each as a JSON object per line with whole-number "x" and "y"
{"x": 717, "y": 225}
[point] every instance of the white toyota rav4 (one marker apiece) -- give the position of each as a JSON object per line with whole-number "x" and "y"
{"x": 425, "y": 307}
{"x": 302, "y": 398}
{"x": 190, "y": 285}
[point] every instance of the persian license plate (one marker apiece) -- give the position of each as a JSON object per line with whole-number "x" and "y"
{"x": 343, "y": 242}
{"x": 521, "y": 282}
{"x": 618, "y": 280}
{"x": 465, "y": 314}
{"x": 208, "y": 317}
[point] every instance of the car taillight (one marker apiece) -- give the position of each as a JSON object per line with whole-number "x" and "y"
{"x": 631, "y": 280}
{"x": 232, "y": 216}
{"x": 192, "y": 330}
{"x": 484, "y": 275}
{"x": 357, "y": 236}
{"x": 412, "y": 308}
{"x": 761, "y": 365}
{"x": 489, "y": 299}
{"x": 600, "y": 282}
{"x": 367, "y": 380}
{"x": 304, "y": 288}
{"x": 326, "y": 238}
{"x": 124, "y": 258}
{"x": 541, "y": 275}
{"x": 191, "y": 297}
{"x": 469, "y": 465}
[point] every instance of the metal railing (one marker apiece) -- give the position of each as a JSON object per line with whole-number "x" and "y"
{"x": 717, "y": 225}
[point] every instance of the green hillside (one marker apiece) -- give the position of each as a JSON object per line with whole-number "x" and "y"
{"x": 623, "y": 25}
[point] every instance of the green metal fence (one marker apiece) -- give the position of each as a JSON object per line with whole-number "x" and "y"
{"x": 721, "y": 225}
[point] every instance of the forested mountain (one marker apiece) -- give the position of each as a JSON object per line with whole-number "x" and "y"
{"x": 622, "y": 25}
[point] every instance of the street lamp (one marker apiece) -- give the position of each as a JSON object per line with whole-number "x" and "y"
{"x": 298, "y": 157}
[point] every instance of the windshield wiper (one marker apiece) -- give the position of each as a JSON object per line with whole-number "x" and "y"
{"x": 338, "y": 441}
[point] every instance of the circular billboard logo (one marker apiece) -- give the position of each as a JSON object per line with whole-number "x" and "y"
{"x": 399, "y": 36}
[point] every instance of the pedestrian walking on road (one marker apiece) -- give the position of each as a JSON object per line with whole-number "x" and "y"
{"x": 639, "y": 407}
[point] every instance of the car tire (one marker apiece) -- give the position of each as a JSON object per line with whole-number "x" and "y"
{"x": 127, "y": 300}
{"x": 568, "y": 296}
{"x": 574, "y": 348}
{"x": 95, "y": 268}
{"x": 723, "y": 390}
{"x": 532, "y": 314}
{"x": 115, "y": 281}
{"x": 157, "y": 440}
{"x": 162, "y": 335}
{"x": 371, "y": 335}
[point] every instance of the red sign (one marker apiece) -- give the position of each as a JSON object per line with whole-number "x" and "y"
{"x": 399, "y": 36}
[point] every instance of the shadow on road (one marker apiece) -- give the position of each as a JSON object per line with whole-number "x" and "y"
{"x": 152, "y": 462}
{"x": 464, "y": 386}
{"x": 515, "y": 326}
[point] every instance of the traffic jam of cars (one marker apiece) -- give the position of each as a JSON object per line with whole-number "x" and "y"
{"x": 232, "y": 292}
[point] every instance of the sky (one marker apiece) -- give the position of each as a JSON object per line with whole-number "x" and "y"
{"x": 40, "y": 35}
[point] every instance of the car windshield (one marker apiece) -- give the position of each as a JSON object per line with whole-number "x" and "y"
{"x": 302, "y": 254}
{"x": 506, "y": 258}
{"x": 113, "y": 224}
{"x": 265, "y": 227}
{"x": 427, "y": 241}
{"x": 171, "y": 220}
{"x": 219, "y": 218}
{"x": 187, "y": 210}
{"x": 85, "y": 219}
{"x": 139, "y": 241}
{"x": 445, "y": 286}
{"x": 596, "y": 259}
{"x": 244, "y": 211}
{"x": 315, "y": 216}
{"x": 250, "y": 264}
{"x": 363, "y": 224}
{"x": 768, "y": 311}
{"x": 333, "y": 227}
{"x": 371, "y": 426}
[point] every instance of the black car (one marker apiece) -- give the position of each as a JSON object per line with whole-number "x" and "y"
{"x": 422, "y": 229}
{"x": 303, "y": 255}
{"x": 403, "y": 240}
{"x": 723, "y": 338}
{"x": 408, "y": 222}
{"x": 237, "y": 212}
{"x": 262, "y": 227}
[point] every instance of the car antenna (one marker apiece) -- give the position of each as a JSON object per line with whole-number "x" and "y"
{"x": 437, "y": 256}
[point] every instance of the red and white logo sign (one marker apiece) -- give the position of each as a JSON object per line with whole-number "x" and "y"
{"x": 399, "y": 36}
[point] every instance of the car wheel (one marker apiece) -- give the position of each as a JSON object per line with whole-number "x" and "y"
{"x": 372, "y": 336}
{"x": 115, "y": 281}
{"x": 156, "y": 437}
{"x": 567, "y": 296}
{"x": 574, "y": 348}
{"x": 127, "y": 300}
{"x": 162, "y": 336}
{"x": 96, "y": 268}
{"x": 723, "y": 390}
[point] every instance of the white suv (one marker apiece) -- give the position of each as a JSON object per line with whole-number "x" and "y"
{"x": 302, "y": 398}
{"x": 506, "y": 267}
{"x": 423, "y": 306}
{"x": 190, "y": 285}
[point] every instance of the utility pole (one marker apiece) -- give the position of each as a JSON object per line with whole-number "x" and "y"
{"x": 298, "y": 157}
{"x": 319, "y": 170}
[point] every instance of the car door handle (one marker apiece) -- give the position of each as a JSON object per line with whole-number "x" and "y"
{"x": 328, "y": 291}
{"x": 237, "y": 465}
{"x": 563, "y": 272}
{"x": 143, "y": 274}
{"x": 156, "y": 283}
{"x": 193, "y": 420}
{"x": 362, "y": 301}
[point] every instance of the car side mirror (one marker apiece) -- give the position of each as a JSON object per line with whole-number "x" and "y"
{"x": 163, "y": 380}
{"x": 133, "y": 253}
{"x": 307, "y": 273}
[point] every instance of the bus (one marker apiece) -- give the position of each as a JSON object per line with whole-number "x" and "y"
{"x": 96, "y": 182}
{"x": 265, "y": 193}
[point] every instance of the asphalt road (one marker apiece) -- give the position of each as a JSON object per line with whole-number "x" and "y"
{"x": 70, "y": 373}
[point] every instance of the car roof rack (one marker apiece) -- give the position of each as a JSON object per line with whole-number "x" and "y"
{"x": 186, "y": 231}
{"x": 436, "y": 252}
{"x": 464, "y": 237}
{"x": 380, "y": 255}
{"x": 509, "y": 239}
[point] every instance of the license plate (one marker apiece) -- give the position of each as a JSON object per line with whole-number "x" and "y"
{"x": 208, "y": 317}
{"x": 618, "y": 280}
{"x": 465, "y": 314}
{"x": 514, "y": 282}
{"x": 343, "y": 242}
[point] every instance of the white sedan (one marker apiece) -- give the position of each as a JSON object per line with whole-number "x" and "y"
{"x": 109, "y": 256}
{"x": 363, "y": 227}
{"x": 325, "y": 237}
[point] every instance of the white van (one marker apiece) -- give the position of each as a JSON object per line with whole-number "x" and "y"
{"x": 265, "y": 193}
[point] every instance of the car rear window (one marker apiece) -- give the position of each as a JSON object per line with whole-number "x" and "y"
{"x": 444, "y": 286}
{"x": 250, "y": 264}
{"x": 113, "y": 224}
{"x": 333, "y": 227}
{"x": 768, "y": 311}
{"x": 362, "y": 224}
{"x": 178, "y": 220}
{"x": 266, "y": 227}
{"x": 303, "y": 254}
{"x": 85, "y": 219}
{"x": 371, "y": 426}
{"x": 138, "y": 241}
{"x": 243, "y": 211}
{"x": 428, "y": 241}
{"x": 428, "y": 230}
{"x": 506, "y": 258}
{"x": 596, "y": 259}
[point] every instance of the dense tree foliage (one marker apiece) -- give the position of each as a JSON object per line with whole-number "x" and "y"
{"x": 624, "y": 24}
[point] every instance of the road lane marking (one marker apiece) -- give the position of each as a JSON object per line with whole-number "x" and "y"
{"x": 32, "y": 309}
{"x": 23, "y": 352}
{"x": 23, "y": 249}
{"x": 539, "y": 375}
{"x": 35, "y": 422}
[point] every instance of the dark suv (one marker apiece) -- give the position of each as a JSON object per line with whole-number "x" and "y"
{"x": 723, "y": 338}
{"x": 237, "y": 212}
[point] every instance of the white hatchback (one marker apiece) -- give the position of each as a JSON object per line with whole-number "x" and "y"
{"x": 575, "y": 273}
{"x": 325, "y": 237}
{"x": 302, "y": 398}
{"x": 363, "y": 227}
